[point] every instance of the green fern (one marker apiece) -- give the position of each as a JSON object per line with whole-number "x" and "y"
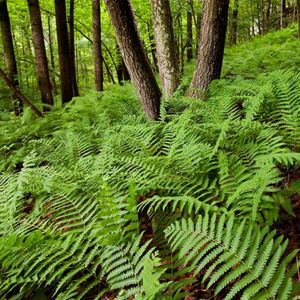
{"x": 238, "y": 254}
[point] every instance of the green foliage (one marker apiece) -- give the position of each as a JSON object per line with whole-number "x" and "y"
{"x": 76, "y": 186}
{"x": 240, "y": 254}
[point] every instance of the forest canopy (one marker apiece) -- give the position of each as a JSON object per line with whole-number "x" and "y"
{"x": 149, "y": 149}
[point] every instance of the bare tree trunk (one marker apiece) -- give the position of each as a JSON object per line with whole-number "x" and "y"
{"x": 165, "y": 45}
{"x": 134, "y": 55}
{"x": 40, "y": 53}
{"x": 9, "y": 54}
{"x": 19, "y": 95}
{"x": 63, "y": 51}
{"x": 268, "y": 12}
{"x": 234, "y": 24}
{"x": 97, "y": 45}
{"x": 198, "y": 30}
{"x": 211, "y": 46}
{"x": 72, "y": 50}
{"x": 298, "y": 11}
{"x": 50, "y": 38}
{"x": 283, "y": 17}
{"x": 189, "y": 29}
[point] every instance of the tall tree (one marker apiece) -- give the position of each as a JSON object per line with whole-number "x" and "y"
{"x": 211, "y": 46}
{"x": 283, "y": 17}
{"x": 50, "y": 41}
{"x": 97, "y": 49}
{"x": 298, "y": 10}
{"x": 165, "y": 45}
{"x": 189, "y": 29}
{"x": 72, "y": 49}
{"x": 234, "y": 24}
{"x": 40, "y": 52}
{"x": 9, "y": 54}
{"x": 267, "y": 18}
{"x": 134, "y": 55}
{"x": 63, "y": 51}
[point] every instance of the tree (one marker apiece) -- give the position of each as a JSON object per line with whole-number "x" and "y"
{"x": 283, "y": 16}
{"x": 234, "y": 23}
{"x": 165, "y": 45}
{"x": 134, "y": 55}
{"x": 72, "y": 49}
{"x": 63, "y": 51}
{"x": 189, "y": 29}
{"x": 97, "y": 50}
{"x": 9, "y": 54}
{"x": 40, "y": 52}
{"x": 298, "y": 9}
{"x": 211, "y": 46}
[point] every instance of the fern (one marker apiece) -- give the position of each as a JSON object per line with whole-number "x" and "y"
{"x": 234, "y": 253}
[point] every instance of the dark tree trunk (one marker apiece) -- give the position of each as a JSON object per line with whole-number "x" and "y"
{"x": 283, "y": 19}
{"x": 298, "y": 11}
{"x": 268, "y": 13}
{"x": 63, "y": 51}
{"x": 189, "y": 29}
{"x": 211, "y": 46}
{"x": 40, "y": 52}
{"x": 72, "y": 50}
{"x": 234, "y": 24}
{"x": 50, "y": 39}
{"x": 134, "y": 55}
{"x": 9, "y": 55}
{"x": 97, "y": 47}
{"x": 165, "y": 45}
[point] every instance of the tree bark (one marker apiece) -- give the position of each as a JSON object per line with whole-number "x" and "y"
{"x": 189, "y": 29}
{"x": 72, "y": 50}
{"x": 134, "y": 55}
{"x": 63, "y": 51}
{"x": 211, "y": 46}
{"x": 165, "y": 45}
{"x": 97, "y": 45}
{"x": 19, "y": 95}
{"x": 50, "y": 39}
{"x": 268, "y": 13}
{"x": 40, "y": 53}
{"x": 9, "y": 55}
{"x": 298, "y": 11}
{"x": 234, "y": 24}
{"x": 283, "y": 18}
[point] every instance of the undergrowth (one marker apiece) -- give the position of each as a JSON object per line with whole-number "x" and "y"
{"x": 77, "y": 186}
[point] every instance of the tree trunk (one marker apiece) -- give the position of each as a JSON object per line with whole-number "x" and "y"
{"x": 9, "y": 55}
{"x": 50, "y": 39}
{"x": 19, "y": 95}
{"x": 63, "y": 51}
{"x": 189, "y": 29}
{"x": 211, "y": 46}
{"x": 234, "y": 24}
{"x": 165, "y": 45}
{"x": 134, "y": 55}
{"x": 283, "y": 18}
{"x": 97, "y": 47}
{"x": 40, "y": 53}
{"x": 268, "y": 13}
{"x": 298, "y": 11}
{"x": 72, "y": 50}
{"x": 198, "y": 30}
